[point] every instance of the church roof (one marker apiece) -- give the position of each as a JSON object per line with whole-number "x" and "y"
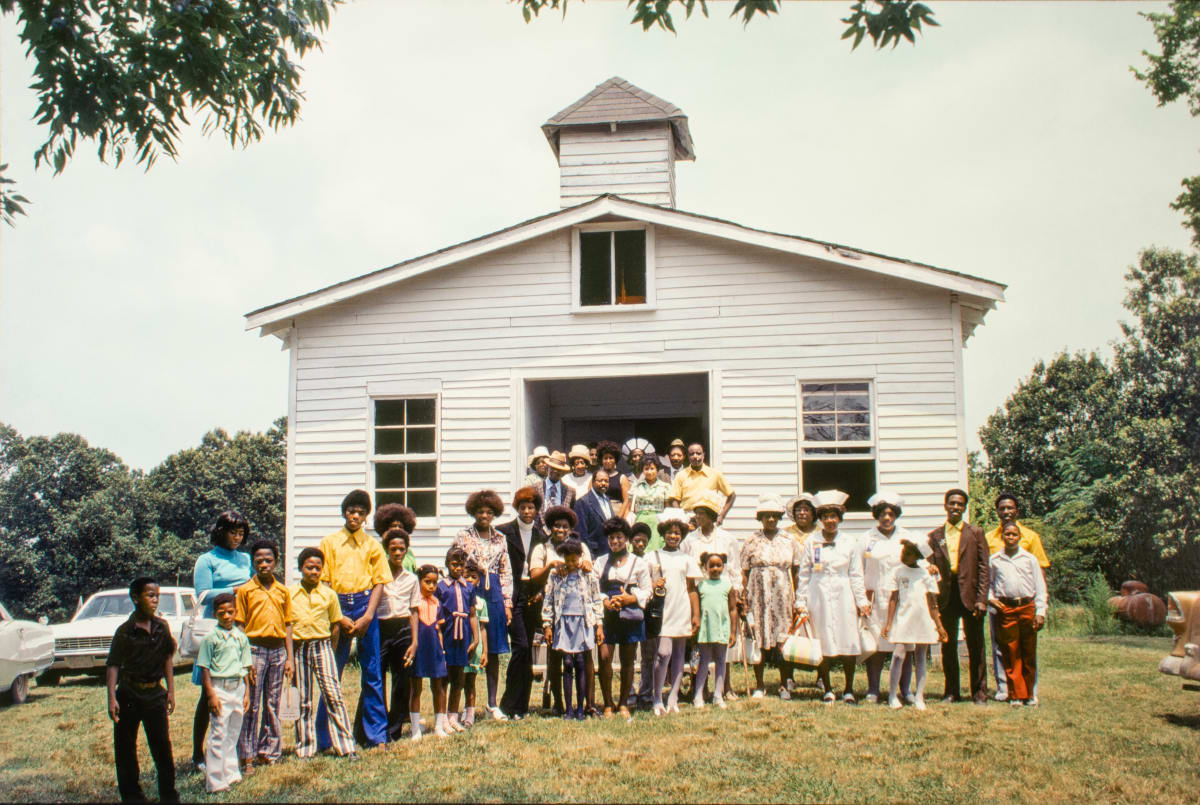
{"x": 617, "y": 101}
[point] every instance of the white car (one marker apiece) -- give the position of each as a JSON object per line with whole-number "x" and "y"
{"x": 26, "y": 649}
{"x": 81, "y": 645}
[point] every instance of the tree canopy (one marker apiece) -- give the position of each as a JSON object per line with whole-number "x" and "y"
{"x": 125, "y": 75}
{"x": 74, "y": 519}
{"x": 1107, "y": 454}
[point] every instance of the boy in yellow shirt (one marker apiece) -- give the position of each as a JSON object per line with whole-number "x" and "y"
{"x": 356, "y": 567}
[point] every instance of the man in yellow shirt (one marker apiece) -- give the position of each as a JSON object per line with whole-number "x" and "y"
{"x": 357, "y": 568}
{"x": 690, "y": 483}
{"x": 1007, "y": 508}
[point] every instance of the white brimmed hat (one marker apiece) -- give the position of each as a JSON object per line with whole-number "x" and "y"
{"x": 792, "y": 501}
{"x": 672, "y": 515}
{"x": 541, "y": 451}
{"x": 769, "y": 503}
{"x": 830, "y": 499}
{"x": 579, "y": 451}
{"x": 888, "y": 496}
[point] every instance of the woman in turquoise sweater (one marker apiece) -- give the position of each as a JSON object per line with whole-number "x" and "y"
{"x": 222, "y": 570}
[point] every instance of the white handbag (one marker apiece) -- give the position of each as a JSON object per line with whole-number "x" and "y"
{"x": 801, "y": 648}
{"x": 869, "y": 639}
{"x": 193, "y": 632}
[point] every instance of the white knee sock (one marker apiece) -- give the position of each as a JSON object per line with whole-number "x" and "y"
{"x": 895, "y": 672}
{"x": 415, "y": 720}
{"x": 919, "y": 667}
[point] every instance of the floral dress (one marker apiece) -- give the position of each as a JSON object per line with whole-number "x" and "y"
{"x": 769, "y": 593}
{"x": 648, "y": 501}
{"x": 497, "y": 586}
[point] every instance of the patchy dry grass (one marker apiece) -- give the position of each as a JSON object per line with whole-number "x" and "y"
{"x": 1110, "y": 728}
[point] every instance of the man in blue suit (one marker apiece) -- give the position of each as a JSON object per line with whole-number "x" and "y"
{"x": 592, "y": 510}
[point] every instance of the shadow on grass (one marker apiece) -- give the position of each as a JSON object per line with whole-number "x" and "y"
{"x": 1191, "y": 722}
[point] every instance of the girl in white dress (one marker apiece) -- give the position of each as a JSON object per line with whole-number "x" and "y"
{"x": 913, "y": 622}
{"x": 881, "y": 556}
{"x": 674, "y": 573}
{"x": 830, "y": 589}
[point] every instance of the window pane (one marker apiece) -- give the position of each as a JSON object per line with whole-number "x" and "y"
{"x": 389, "y": 475}
{"x": 819, "y": 451}
{"x": 389, "y": 412}
{"x": 818, "y": 402}
{"x": 818, "y": 433}
{"x": 853, "y": 402}
{"x": 423, "y": 503}
{"x": 813, "y": 388}
{"x": 382, "y": 498}
{"x": 854, "y": 433}
{"x": 853, "y": 386}
{"x": 422, "y": 474}
{"x": 595, "y": 277}
{"x": 853, "y": 419}
{"x": 389, "y": 441}
{"x": 422, "y": 412}
{"x": 855, "y": 478}
{"x": 166, "y": 604}
{"x": 819, "y": 419}
{"x": 631, "y": 266}
{"x": 420, "y": 440}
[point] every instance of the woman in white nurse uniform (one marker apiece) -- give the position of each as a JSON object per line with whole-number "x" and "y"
{"x": 830, "y": 589}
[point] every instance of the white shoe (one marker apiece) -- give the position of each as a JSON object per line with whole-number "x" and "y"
{"x": 784, "y": 694}
{"x": 894, "y": 702}
{"x": 910, "y": 699}
{"x": 829, "y": 697}
{"x": 758, "y": 694}
{"x": 1001, "y": 697}
{"x": 719, "y": 703}
{"x": 659, "y": 710}
{"x": 416, "y": 736}
{"x": 790, "y": 685}
{"x": 674, "y": 708}
{"x": 441, "y": 733}
{"x": 919, "y": 703}
{"x": 453, "y": 725}
{"x": 872, "y": 698}
{"x": 497, "y": 714}
{"x": 698, "y": 704}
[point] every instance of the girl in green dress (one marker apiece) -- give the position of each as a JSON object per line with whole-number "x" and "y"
{"x": 718, "y": 626}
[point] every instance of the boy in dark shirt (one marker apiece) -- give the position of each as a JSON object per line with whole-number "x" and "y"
{"x": 138, "y": 661}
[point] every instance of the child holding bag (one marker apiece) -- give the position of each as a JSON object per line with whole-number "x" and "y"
{"x": 718, "y": 626}
{"x": 913, "y": 621}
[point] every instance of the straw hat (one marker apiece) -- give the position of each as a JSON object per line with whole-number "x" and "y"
{"x": 541, "y": 451}
{"x": 792, "y": 501}
{"x": 579, "y": 451}
{"x": 769, "y": 504}
{"x": 558, "y": 461}
{"x": 712, "y": 500}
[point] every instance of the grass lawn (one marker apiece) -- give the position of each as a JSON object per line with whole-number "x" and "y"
{"x": 1110, "y": 729}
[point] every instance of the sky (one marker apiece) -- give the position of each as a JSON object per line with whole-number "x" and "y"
{"x": 1012, "y": 143}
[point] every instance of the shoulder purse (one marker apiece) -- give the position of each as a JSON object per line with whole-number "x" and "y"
{"x": 631, "y": 613}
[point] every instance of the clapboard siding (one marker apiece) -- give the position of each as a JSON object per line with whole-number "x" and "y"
{"x": 760, "y": 322}
{"x": 636, "y": 162}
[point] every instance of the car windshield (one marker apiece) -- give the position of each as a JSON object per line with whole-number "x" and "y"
{"x": 115, "y": 604}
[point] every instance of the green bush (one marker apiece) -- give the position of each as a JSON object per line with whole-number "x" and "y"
{"x": 1100, "y": 614}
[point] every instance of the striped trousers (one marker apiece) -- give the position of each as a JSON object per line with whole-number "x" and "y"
{"x": 315, "y": 664}
{"x": 265, "y": 741}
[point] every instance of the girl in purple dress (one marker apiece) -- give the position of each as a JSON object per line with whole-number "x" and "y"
{"x": 426, "y": 658}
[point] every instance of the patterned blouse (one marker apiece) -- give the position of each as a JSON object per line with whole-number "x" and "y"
{"x": 649, "y": 497}
{"x": 556, "y": 596}
{"x": 491, "y": 555}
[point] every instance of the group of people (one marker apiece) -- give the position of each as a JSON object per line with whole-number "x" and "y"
{"x": 640, "y": 570}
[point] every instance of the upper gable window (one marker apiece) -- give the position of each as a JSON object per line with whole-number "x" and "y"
{"x": 613, "y": 267}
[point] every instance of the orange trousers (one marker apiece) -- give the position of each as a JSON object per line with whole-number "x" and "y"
{"x": 1017, "y": 640}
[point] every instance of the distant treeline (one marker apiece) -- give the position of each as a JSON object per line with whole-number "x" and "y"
{"x": 1105, "y": 454}
{"x": 74, "y": 519}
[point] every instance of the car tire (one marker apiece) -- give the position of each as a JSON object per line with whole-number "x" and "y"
{"x": 49, "y": 678}
{"x": 19, "y": 691}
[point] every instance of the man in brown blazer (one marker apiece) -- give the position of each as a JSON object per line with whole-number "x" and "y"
{"x": 960, "y": 553}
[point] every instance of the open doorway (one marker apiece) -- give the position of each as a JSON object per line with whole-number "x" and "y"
{"x": 658, "y": 408}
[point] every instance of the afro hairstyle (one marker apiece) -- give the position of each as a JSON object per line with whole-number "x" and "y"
{"x": 484, "y": 497}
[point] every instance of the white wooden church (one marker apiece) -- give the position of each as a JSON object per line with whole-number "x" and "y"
{"x": 800, "y": 364}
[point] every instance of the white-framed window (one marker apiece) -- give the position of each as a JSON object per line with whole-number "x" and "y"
{"x": 612, "y": 266}
{"x": 837, "y": 439}
{"x": 404, "y": 455}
